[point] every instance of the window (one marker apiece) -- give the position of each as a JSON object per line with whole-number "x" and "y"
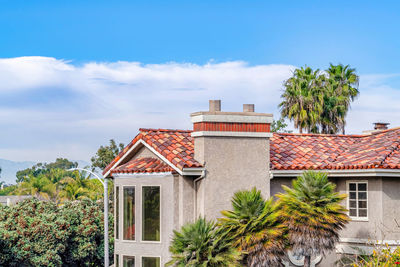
{"x": 151, "y": 262}
{"x": 116, "y": 260}
{"x": 151, "y": 213}
{"x": 117, "y": 212}
{"x": 128, "y": 261}
{"x": 129, "y": 213}
{"x": 358, "y": 200}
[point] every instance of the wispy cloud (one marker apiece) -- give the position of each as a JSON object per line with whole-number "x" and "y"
{"x": 51, "y": 108}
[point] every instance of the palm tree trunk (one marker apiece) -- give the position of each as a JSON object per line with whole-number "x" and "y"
{"x": 307, "y": 261}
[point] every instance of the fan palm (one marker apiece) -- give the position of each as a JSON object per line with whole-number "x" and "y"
{"x": 202, "y": 244}
{"x": 342, "y": 83}
{"x": 312, "y": 213}
{"x": 254, "y": 227}
{"x": 302, "y": 99}
{"x": 39, "y": 186}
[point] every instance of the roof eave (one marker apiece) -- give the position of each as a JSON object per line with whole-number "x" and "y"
{"x": 341, "y": 173}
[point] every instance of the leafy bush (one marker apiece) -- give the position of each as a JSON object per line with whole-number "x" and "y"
{"x": 40, "y": 233}
{"x": 381, "y": 258}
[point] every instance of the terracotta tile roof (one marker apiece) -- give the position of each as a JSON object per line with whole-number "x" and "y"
{"x": 143, "y": 165}
{"x": 175, "y": 145}
{"x": 312, "y": 151}
{"x": 289, "y": 151}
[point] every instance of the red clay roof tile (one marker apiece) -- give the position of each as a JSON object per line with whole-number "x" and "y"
{"x": 289, "y": 151}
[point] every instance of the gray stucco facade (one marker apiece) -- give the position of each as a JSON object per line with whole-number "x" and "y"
{"x": 234, "y": 152}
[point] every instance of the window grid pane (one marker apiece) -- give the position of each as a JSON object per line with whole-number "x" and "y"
{"x": 358, "y": 199}
{"x": 128, "y": 261}
{"x": 151, "y": 213}
{"x": 150, "y": 262}
{"x": 117, "y": 212}
{"x": 129, "y": 213}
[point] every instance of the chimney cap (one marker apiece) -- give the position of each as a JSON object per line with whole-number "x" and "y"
{"x": 214, "y": 105}
{"x": 248, "y": 107}
{"x": 381, "y": 125}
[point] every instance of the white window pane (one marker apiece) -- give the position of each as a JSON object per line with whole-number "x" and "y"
{"x": 353, "y": 212}
{"x": 362, "y": 187}
{"x": 352, "y": 187}
{"x": 353, "y": 204}
{"x": 150, "y": 262}
{"x": 362, "y": 195}
{"x": 352, "y": 195}
{"x": 129, "y": 213}
{"x": 362, "y": 213}
{"x": 362, "y": 204}
{"x": 129, "y": 261}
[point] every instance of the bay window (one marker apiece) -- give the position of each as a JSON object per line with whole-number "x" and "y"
{"x": 129, "y": 213}
{"x": 151, "y": 213}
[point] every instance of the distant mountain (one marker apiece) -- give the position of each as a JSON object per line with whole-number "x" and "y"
{"x": 9, "y": 168}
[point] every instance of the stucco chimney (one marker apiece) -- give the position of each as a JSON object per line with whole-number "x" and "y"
{"x": 234, "y": 149}
{"x": 248, "y": 107}
{"x": 215, "y": 105}
{"x": 380, "y": 126}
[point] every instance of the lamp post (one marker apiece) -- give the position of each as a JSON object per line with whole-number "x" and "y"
{"x": 105, "y": 185}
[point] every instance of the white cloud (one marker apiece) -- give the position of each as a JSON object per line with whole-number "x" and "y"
{"x": 51, "y": 107}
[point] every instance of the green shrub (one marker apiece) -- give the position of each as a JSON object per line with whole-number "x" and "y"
{"x": 40, "y": 233}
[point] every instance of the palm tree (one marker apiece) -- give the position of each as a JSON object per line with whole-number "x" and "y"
{"x": 302, "y": 99}
{"x": 78, "y": 186}
{"x": 39, "y": 186}
{"x": 254, "y": 227}
{"x": 342, "y": 84}
{"x": 202, "y": 244}
{"x": 312, "y": 213}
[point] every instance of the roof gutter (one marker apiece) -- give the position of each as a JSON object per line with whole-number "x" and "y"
{"x": 340, "y": 173}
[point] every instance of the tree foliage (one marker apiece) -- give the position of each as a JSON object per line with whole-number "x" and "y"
{"x": 279, "y": 126}
{"x": 312, "y": 213}
{"x": 201, "y": 244}
{"x": 45, "y": 168}
{"x": 40, "y": 233}
{"x": 254, "y": 226}
{"x": 318, "y": 102}
{"x": 105, "y": 154}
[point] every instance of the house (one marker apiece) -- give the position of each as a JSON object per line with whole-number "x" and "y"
{"x": 166, "y": 178}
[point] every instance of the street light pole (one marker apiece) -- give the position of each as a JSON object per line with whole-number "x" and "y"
{"x": 105, "y": 185}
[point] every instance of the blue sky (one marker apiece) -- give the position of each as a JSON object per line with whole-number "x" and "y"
{"x": 364, "y": 34}
{"x": 74, "y": 74}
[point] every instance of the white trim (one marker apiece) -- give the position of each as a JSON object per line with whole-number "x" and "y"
{"x": 148, "y": 256}
{"x": 193, "y": 171}
{"x": 140, "y": 141}
{"x": 135, "y": 214}
{"x": 231, "y": 134}
{"x": 122, "y": 158}
{"x": 369, "y": 241}
{"x": 142, "y": 212}
{"x": 140, "y": 174}
{"x": 232, "y": 118}
{"x": 341, "y": 173}
{"x": 356, "y": 218}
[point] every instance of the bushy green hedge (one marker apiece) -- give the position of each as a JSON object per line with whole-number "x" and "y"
{"x": 40, "y": 233}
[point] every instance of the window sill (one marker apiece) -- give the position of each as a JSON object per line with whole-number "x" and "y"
{"x": 353, "y": 219}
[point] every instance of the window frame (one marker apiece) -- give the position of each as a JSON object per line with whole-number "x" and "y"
{"x": 122, "y": 259}
{"x": 142, "y": 212}
{"x": 357, "y": 218}
{"x": 123, "y": 213}
{"x": 117, "y": 209}
{"x": 149, "y": 256}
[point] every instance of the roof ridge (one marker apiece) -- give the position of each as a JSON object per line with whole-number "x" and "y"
{"x": 163, "y": 130}
{"x": 327, "y": 135}
{"x": 396, "y": 148}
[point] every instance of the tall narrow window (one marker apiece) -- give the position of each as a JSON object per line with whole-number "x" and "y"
{"x": 358, "y": 199}
{"x": 129, "y": 213}
{"x": 128, "y": 261}
{"x": 151, "y": 213}
{"x": 117, "y": 212}
{"x": 150, "y": 262}
{"x": 116, "y": 260}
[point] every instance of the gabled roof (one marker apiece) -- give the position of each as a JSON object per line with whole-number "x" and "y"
{"x": 176, "y": 146}
{"x": 143, "y": 165}
{"x": 288, "y": 151}
{"x": 317, "y": 151}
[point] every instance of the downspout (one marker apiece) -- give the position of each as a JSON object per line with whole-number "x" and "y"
{"x": 201, "y": 177}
